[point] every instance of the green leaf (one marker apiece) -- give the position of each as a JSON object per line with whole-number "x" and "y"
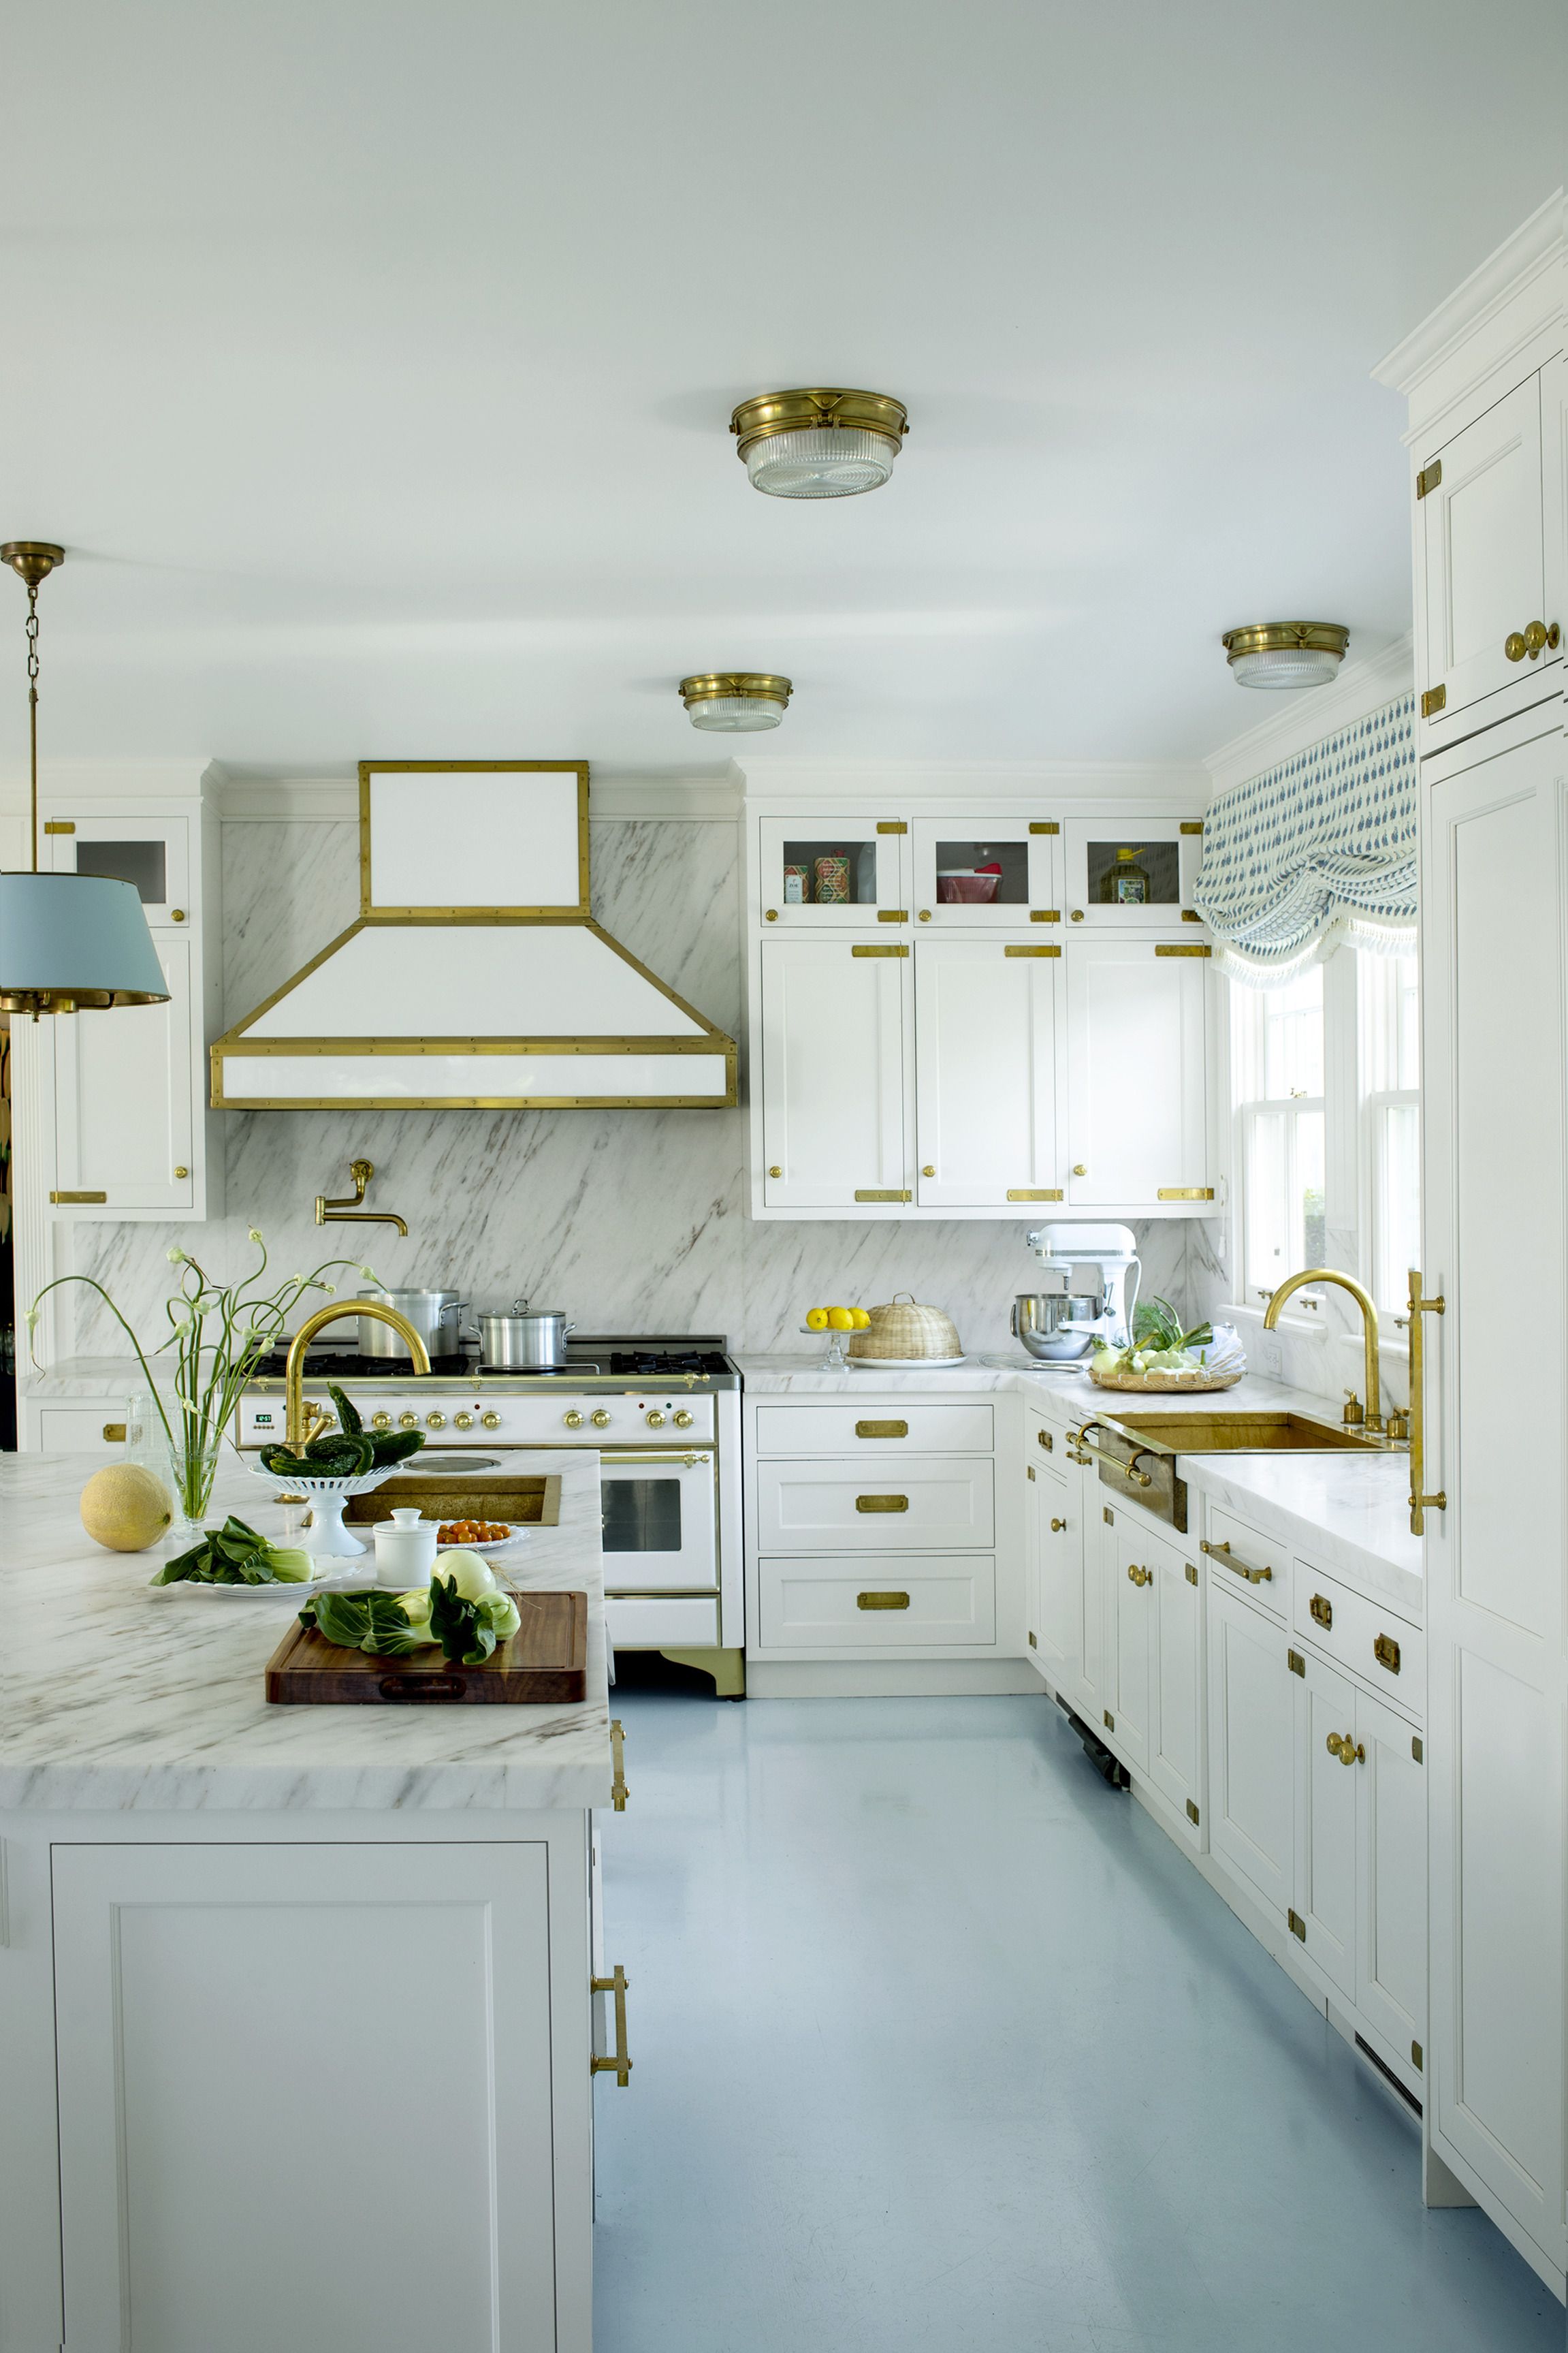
{"x": 458, "y": 1625}
{"x": 372, "y": 1621}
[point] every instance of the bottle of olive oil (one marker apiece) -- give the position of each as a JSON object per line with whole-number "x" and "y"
{"x": 1125, "y": 883}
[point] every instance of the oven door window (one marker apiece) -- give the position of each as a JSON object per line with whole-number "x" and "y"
{"x": 660, "y": 1526}
{"x": 642, "y": 1515}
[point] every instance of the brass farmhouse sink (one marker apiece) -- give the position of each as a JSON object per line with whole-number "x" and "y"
{"x": 1137, "y": 1452}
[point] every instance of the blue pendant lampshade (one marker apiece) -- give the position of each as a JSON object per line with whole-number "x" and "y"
{"x": 70, "y": 940}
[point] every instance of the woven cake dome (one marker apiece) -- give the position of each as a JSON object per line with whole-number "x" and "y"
{"x": 902, "y": 1328}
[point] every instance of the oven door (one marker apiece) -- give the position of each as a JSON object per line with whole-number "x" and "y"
{"x": 661, "y": 1519}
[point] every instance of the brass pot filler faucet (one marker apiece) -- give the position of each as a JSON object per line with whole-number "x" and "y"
{"x": 347, "y": 1212}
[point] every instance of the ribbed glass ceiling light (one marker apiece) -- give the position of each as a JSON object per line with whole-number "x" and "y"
{"x": 735, "y": 702}
{"x": 1286, "y": 653}
{"x": 67, "y": 940}
{"x": 819, "y": 444}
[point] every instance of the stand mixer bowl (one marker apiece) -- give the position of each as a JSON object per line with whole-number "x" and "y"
{"x": 1056, "y": 1325}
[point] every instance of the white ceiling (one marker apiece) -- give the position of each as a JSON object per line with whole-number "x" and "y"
{"x": 375, "y": 358}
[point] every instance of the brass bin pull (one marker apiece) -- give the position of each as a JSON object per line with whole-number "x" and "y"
{"x": 881, "y": 1601}
{"x": 1387, "y": 1652}
{"x": 1323, "y": 1611}
{"x": 881, "y": 1503}
{"x": 881, "y": 1429}
{"x": 1228, "y": 1560}
{"x": 1420, "y": 1502}
{"x": 617, "y": 2063}
{"x": 619, "y": 1792}
{"x": 1081, "y": 1438}
{"x": 1346, "y": 1748}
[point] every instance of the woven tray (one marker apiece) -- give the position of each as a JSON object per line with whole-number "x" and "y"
{"x": 1152, "y": 1381}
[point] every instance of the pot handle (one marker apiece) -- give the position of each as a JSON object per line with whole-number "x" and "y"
{"x": 519, "y": 1307}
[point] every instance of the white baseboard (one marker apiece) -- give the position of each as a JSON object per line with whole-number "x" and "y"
{"x": 888, "y": 1678}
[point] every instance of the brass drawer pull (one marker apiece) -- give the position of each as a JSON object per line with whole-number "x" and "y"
{"x": 881, "y": 1503}
{"x": 1385, "y": 1651}
{"x": 114, "y": 1432}
{"x": 1346, "y": 1748}
{"x": 617, "y": 2063}
{"x": 1043, "y": 1439}
{"x": 1223, "y": 1552}
{"x": 1420, "y": 1502}
{"x": 1323, "y": 1611}
{"x": 881, "y": 1601}
{"x": 881, "y": 1429}
{"x": 61, "y": 1198}
{"x": 861, "y": 1196}
{"x": 1140, "y": 1576}
{"x": 619, "y": 1792}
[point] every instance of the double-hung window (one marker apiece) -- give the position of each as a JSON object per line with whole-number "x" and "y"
{"x": 1391, "y": 1125}
{"x": 1278, "y": 1036}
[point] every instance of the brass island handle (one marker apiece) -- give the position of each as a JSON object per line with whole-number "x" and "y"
{"x": 1420, "y": 1502}
{"x": 619, "y": 1792}
{"x": 1129, "y": 1469}
{"x": 616, "y": 2064}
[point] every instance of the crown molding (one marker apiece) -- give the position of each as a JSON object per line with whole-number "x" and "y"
{"x": 1314, "y": 714}
{"x": 950, "y": 780}
{"x": 180, "y": 779}
{"x": 1522, "y": 259}
{"x": 253, "y": 797}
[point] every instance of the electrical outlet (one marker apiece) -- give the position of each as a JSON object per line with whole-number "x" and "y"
{"x": 1268, "y": 1356}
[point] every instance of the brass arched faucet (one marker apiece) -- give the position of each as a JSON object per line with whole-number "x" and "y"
{"x": 295, "y": 1433}
{"x": 1369, "y": 1326}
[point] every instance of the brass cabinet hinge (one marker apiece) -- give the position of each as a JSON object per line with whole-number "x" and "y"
{"x": 1416, "y": 1748}
{"x": 1191, "y": 915}
{"x": 1192, "y": 825}
{"x": 1028, "y": 1469}
{"x": 1428, "y": 477}
{"x": 1298, "y": 1926}
{"x": 1191, "y": 1573}
{"x": 1191, "y": 1811}
{"x": 1416, "y": 2057}
{"x": 892, "y": 825}
{"x": 1044, "y": 825}
{"x": 1296, "y": 1662}
{"x": 59, "y": 825}
{"x": 1033, "y": 1644}
{"x": 1432, "y": 700}
{"x": 1109, "y": 1719}
{"x": 1108, "y": 1515}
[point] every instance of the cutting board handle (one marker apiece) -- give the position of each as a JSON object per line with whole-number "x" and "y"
{"x": 429, "y": 1687}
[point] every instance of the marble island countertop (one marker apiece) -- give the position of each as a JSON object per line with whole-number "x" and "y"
{"x": 114, "y": 1695}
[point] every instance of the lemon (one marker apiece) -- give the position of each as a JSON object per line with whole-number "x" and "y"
{"x": 124, "y": 1508}
{"x": 862, "y": 1320}
{"x": 841, "y": 1319}
{"x": 817, "y": 1319}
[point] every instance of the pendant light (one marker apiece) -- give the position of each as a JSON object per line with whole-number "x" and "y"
{"x": 819, "y": 445}
{"x": 66, "y": 940}
{"x": 735, "y": 702}
{"x": 1286, "y": 653}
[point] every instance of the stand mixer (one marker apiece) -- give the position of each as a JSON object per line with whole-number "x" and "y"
{"x": 1087, "y": 1289}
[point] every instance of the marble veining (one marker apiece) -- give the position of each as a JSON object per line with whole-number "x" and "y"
{"x": 117, "y": 1695}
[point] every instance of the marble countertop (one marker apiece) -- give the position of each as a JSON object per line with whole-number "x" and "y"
{"x": 114, "y": 1695}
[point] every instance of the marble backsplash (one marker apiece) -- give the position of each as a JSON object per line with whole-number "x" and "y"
{"x": 630, "y": 1220}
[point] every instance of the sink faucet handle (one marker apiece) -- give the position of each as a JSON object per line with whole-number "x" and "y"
{"x": 1353, "y": 1416}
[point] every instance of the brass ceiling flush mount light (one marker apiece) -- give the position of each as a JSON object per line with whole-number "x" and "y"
{"x": 735, "y": 702}
{"x": 67, "y": 940}
{"x": 819, "y": 444}
{"x": 1286, "y": 653}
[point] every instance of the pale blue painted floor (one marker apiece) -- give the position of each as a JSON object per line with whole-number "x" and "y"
{"x": 941, "y": 2047}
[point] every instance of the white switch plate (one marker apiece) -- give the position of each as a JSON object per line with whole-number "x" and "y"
{"x": 1269, "y": 1356}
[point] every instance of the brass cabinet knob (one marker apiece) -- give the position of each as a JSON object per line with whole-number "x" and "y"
{"x": 683, "y": 1420}
{"x": 1078, "y": 914}
{"x": 1346, "y": 1748}
{"x": 435, "y": 1421}
{"x": 772, "y": 914}
{"x": 176, "y": 915}
{"x": 572, "y": 1419}
{"x": 1057, "y": 1526}
{"x": 491, "y": 1420}
{"x": 1079, "y": 1169}
{"x": 601, "y": 1419}
{"x": 654, "y": 1418}
{"x": 408, "y": 1421}
{"x": 1139, "y": 1576}
{"x": 462, "y": 1421}
{"x": 182, "y": 1172}
{"x": 380, "y": 1421}
{"x": 928, "y": 1170}
{"x": 1532, "y": 640}
{"x": 776, "y": 1172}
{"x": 925, "y": 915}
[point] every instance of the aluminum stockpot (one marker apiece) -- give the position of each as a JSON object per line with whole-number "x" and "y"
{"x": 435, "y": 1315}
{"x": 1056, "y": 1325}
{"x": 524, "y": 1341}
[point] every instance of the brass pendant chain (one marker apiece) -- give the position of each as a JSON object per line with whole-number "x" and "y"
{"x": 33, "y": 709}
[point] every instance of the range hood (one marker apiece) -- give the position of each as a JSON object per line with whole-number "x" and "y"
{"x": 433, "y": 1001}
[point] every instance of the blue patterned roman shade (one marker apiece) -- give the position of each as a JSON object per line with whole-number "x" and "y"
{"x": 1319, "y": 852}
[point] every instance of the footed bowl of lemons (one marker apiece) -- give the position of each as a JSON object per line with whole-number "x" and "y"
{"x": 835, "y": 1321}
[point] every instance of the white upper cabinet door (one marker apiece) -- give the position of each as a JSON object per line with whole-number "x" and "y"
{"x": 125, "y": 1100}
{"x": 1175, "y": 1750}
{"x": 834, "y": 872}
{"x": 1134, "y": 875}
{"x": 832, "y": 1079}
{"x": 1327, "y": 1796}
{"x": 1481, "y": 525}
{"x": 1250, "y": 1743}
{"x": 986, "y": 1065}
{"x": 1137, "y": 1124}
{"x": 1059, "y": 1552}
{"x": 155, "y": 853}
{"x": 1132, "y": 1612}
{"x": 983, "y": 874}
{"x": 1391, "y": 1943}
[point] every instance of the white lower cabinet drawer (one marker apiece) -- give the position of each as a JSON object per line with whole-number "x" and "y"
{"x": 944, "y": 1502}
{"x": 858, "y": 1427}
{"x": 1250, "y": 1563}
{"x": 886, "y": 1604}
{"x": 82, "y": 1428}
{"x": 1361, "y": 1634}
{"x": 637, "y": 1623}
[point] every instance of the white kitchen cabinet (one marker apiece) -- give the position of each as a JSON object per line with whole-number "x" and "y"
{"x": 1250, "y": 1746}
{"x": 1093, "y": 1560}
{"x": 986, "y": 1019}
{"x": 1326, "y": 1889}
{"x": 835, "y": 1049}
{"x": 805, "y": 862}
{"x": 1391, "y": 1842}
{"x": 1137, "y": 1110}
{"x": 944, "y": 853}
{"x": 908, "y": 1502}
{"x": 152, "y": 852}
{"x": 1057, "y": 1555}
{"x": 1490, "y": 565}
{"x": 927, "y": 1600}
{"x": 1176, "y": 1733}
{"x": 1131, "y": 874}
{"x": 1131, "y": 1614}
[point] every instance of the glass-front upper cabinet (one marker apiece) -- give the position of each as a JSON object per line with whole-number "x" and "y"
{"x": 1131, "y": 874}
{"x": 980, "y": 873}
{"x": 151, "y": 852}
{"x": 834, "y": 871}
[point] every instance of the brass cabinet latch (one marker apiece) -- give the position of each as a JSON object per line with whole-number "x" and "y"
{"x": 1297, "y": 1926}
{"x": 1323, "y": 1611}
{"x": 1427, "y": 480}
{"x": 1432, "y": 700}
{"x": 1296, "y": 1662}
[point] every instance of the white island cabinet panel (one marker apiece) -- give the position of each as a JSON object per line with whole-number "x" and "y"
{"x": 1249, "y": 1719}
{"x": 985, "y": 1061}
{"x": 1175, "y": 1756}
{"x": 1326, "y": 1797}
{"x": 184, "y": 1968}
{"x": 833, "y": 1078}
{"x": 1391, "y": 1952}
{"x": 1059, "y": 1593}
{"x": 1137, "y": 1119}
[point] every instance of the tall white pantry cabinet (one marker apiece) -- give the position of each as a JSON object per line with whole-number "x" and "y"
{"x": 915, "y": 1054}
{"x": 1489, "y": 450}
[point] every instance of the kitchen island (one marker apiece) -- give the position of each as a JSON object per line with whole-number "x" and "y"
{"x": 295, "y": 2012}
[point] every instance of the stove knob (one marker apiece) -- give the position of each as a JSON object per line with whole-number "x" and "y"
{"x": 462, "y": 1421}
{"x": 683, "y": 1420}
{"x": 654, "y": 1418}
{"x": 380, "y": 1421}
{"x": 573, "y": 1419}
{"x": 435, "y": 1421}
{"x": 491, "y": 1420}
{"x": 408, "y": 1421}
{"x": 601, "y": 1421}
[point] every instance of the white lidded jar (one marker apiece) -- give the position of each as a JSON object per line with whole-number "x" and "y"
{"x": 405, "y": 1549}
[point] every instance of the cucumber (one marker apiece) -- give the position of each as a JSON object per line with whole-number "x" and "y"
{"x": 348, "y": 1413}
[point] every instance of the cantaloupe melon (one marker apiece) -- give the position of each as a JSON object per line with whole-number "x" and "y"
{"x": 125, "y": 1508}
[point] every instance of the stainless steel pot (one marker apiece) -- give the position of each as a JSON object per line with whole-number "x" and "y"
{"x": 435, "y": 1315}
{"x": 524, "y": 1341}
{"x": 1056, "y": 1325}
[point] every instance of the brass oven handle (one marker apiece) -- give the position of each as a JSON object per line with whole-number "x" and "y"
{"x": 1420, "y": 1502}
{"x": 1223, "y": 1552}
{"x": 619, "y": 1792}
{"x": 1081, "y": 1438}
{"x": 617, "y": 2064}
{"x": 651, "y": 1454}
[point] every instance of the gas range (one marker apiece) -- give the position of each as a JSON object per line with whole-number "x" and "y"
{"x": 615, "y": 1357}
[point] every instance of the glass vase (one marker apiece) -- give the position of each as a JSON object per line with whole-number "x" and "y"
{"x": 193, "y": 1467}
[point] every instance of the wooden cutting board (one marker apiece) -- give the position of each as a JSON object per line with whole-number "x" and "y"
{"x": 545, "y": 1662}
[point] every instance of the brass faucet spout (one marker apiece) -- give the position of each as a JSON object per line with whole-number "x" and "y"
{"x": 294, "y": 1369}
{"x": 1369, "y": 1326}
{"x": 346, "y": 1209}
